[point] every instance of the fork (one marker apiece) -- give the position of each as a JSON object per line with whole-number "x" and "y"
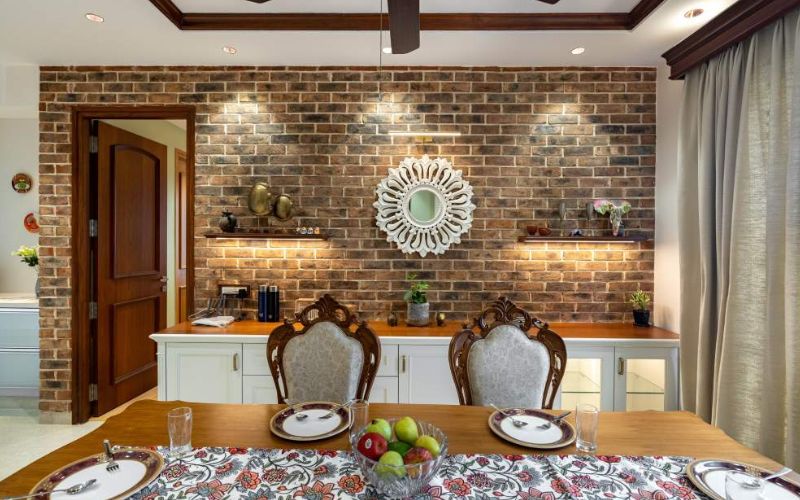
{"x": 332, "y": 411}
{"x": 109, "y": 457}
{"x": 516, "y": 422}
{"x": 556, "y": 420}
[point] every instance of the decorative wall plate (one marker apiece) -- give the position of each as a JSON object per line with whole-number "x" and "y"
{"x": 22, "y": 183}
{"x": 424, "y": 206}
{"x": 30, "y": 223}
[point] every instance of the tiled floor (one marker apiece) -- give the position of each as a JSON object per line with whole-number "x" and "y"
{"x": 25, "y": 440}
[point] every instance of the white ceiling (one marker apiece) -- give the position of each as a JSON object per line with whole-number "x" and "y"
{"x": 425, "y": 6}
{"x": 55, "y": 32}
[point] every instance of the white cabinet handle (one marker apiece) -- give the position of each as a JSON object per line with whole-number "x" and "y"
{"x": 403, "y": 363}
{"x": 621, "y": 366}
{"x": 236, "y": 361}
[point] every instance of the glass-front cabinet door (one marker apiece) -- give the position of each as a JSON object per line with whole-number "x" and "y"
{"x": 646, "y": 379}
{"x": 589, "y": 378}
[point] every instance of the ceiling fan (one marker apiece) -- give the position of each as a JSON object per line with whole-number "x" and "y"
{"x": 404, "y": 23}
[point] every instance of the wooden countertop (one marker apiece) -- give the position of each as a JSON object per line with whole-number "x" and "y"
{"x": 632, "y": 433}
{"x": 566, "y": 330}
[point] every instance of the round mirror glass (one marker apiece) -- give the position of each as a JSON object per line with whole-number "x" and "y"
{"x": 424, "y": 206}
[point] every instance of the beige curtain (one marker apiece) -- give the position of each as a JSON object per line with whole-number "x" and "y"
{"x": 739, "y": 218}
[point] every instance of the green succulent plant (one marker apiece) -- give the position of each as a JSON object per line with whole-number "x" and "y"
{"x": 417, "y": 294}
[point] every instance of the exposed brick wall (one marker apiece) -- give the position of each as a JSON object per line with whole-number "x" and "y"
{"x": 532, "y": 137}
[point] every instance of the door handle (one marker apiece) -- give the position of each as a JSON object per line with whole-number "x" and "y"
{"x": 621, "y": 366}
{"x": 236, "y": 361}
{"x": 403, "y": 363}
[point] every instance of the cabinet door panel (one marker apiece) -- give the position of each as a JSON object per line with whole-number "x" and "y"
{"x": 388, "y": 366}
{"x": 425, "y": 376}
{"x": 204, "y": 373}
{"x": 589, "y": 378}
{"x": 259, "y": 390}
{"x": 254, "y": 359}
{"x": 646, "y": 379}
{"x": 384, "y": 390}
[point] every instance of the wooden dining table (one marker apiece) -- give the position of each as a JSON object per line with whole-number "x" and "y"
{"x": 620, "y": 433}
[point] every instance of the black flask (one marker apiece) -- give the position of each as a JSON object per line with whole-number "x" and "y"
{"x": 273, "y": 304}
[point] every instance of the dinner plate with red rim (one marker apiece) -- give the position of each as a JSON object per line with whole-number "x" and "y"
{"x": 138, "y": 467}
{"x": 312, "y": 427}
{"x": 559, "y": 435}
{"x": 709, "y": 477}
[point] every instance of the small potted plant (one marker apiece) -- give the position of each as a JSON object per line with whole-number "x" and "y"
{"x": 417, "y": 299}
{"x": 615, "y": 210}
{"x": 641, "y": 315}
{"x": 30, "y": 256}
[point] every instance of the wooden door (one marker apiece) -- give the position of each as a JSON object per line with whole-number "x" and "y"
{"x": 181, "y": 218}
{"x": 131, "y": 263}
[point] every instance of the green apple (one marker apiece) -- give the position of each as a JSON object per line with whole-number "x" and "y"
{"x": 391, "y": 462}
{"x": 429, "y": 443}
{"x": 406, "y": 430}
{"x": 400, "y": 447}
{"x": 380, "y": 426}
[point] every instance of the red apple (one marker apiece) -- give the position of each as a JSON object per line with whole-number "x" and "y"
{"x": 417, "y": 456}
{"x": 372, "y": 445}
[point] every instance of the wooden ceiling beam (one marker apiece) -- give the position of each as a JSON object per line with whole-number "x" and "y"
{"x": 428, "y": 21}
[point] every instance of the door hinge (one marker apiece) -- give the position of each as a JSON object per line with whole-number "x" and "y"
{"x": 93, "y": 144}
{"x": 92, "y": 392}
{"x": 92, "y": 228}
{"x": 92, "y": 310}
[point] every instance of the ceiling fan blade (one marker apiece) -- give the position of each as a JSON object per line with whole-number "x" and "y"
{"x": 404, "y": 25}
{"x": 551, "y": 2}
{"x": 258, "y": 1}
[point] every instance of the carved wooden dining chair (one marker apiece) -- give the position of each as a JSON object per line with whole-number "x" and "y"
{"x": 503, "y": 363}
{"x": 320, "y": 356}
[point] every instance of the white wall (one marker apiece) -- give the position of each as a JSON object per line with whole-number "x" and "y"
{"x": 19, "y": 152}
{"x": 667, "y": 280}
{"x": 168, "y": 134}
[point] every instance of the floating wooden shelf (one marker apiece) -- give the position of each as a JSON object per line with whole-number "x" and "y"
{"x": 634, "y": 238}
{"x": 263, "y": 235}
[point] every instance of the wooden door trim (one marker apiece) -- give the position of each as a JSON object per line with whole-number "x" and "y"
{"x": 81, "y": 119}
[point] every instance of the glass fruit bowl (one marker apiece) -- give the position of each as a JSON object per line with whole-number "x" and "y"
{"x": 402, "y": 480}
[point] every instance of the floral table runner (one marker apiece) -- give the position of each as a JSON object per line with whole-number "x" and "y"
{"x": 240, "y": 473}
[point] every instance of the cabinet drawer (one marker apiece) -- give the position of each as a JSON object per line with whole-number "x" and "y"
{"x": 254, "y": 360}
{"x": 19, "y": 372}
{"x": 388, "y": 366}
{"x": 19, "y": 328}
{"x": 259, "y": 390}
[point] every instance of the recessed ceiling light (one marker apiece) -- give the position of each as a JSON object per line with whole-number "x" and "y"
{"x": 230, "y": 50}
{"x": 578, "y": 51}
{"x": 692, "y": 13}
{"x": 387, "y": 50}
{"x": 94, "y": 17}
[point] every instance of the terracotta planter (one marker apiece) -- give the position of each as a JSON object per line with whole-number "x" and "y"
{"x": 418, "y": 314}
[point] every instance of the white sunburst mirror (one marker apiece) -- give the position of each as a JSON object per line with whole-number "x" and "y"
{"x": 424, "y": 206}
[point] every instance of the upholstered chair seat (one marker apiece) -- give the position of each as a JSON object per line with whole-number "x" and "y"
{"x": 505, "y": 365}
{"x": 319, "y": 357}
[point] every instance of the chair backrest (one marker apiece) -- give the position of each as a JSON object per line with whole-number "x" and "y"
{"x": 318, "y": 356}
{"x": 505, "y": 364}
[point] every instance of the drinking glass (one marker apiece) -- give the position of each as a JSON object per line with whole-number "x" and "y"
{"x": 179, "y": 423}
{"x": 359, "y": 418}
{"x": 586, "y": 421}
{"x": 743, "y": 486}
